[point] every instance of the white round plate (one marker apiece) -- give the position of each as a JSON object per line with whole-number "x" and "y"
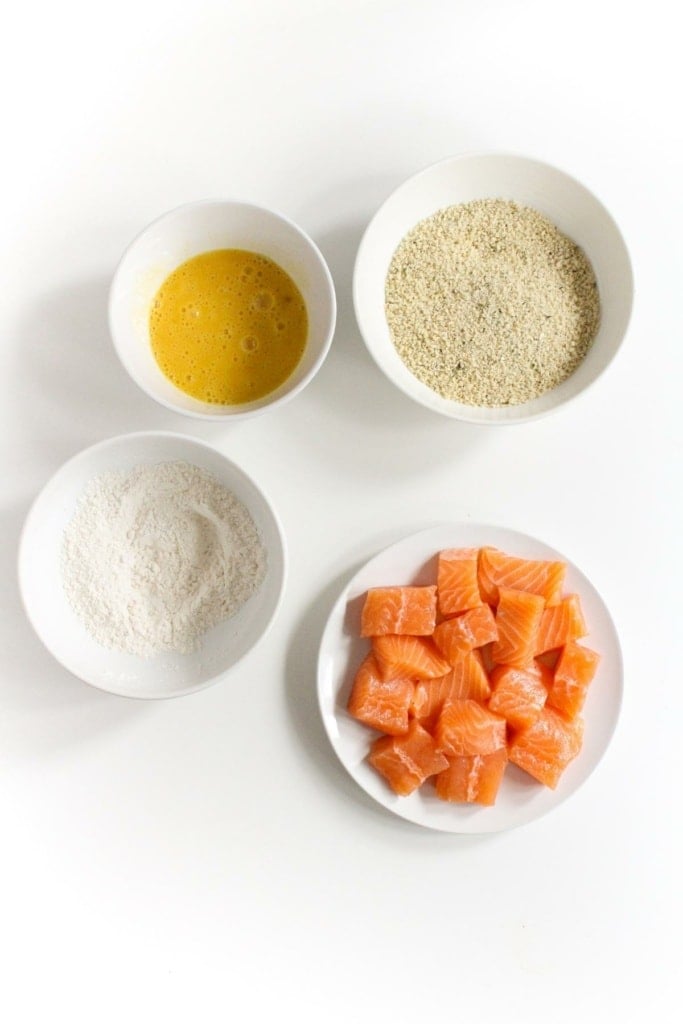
{"x": 520, "y": 799}
{"x": 166, "y": 674}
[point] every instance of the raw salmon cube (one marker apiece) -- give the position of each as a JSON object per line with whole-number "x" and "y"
{"x": 465, "y": 727}
{"x": 404, "y": 610}
{"x": 574, "y": 673}
{"x": 457, "y": 581}
{"x": 406, "y": 761}
{"x": 381, "y": 703}
{"x": 472, "y": 780}
{"x": 412, "y": 656}
{"x": 518, "y": 619}
{"x": 546, "y": 748}
{"x": 456, "y": 637}
{"x": 497, "y": 570}
{"x": 466, "y": 680}
{"x": 471, "y": 678}
{"x": 560, "y": 624}
{"x": 518, "y": 694}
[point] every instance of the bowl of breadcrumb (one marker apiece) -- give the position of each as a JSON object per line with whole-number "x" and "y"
{"x": 492, "y": 288}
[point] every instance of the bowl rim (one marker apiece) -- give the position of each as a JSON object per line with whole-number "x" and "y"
{"x": 245, "y": 413}
{"x": 92, "y": 449}
{"x": 460, "y": 411}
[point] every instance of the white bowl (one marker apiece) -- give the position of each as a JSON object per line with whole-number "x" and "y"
{"x": 62, "y": 632}
{"x": 567, "y": 203}
{"x": 202, "y": 227}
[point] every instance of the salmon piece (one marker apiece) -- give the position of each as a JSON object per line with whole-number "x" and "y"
{"x": 545, "y": 749}
{"x": 496, "y": 570}
{"x": 429, "y": 698}
{"x": 465, "y": 727}
{"x": 487, "y": 586}
{"x": 518, "y": 694}
{"x": 404, "y": 610}
{"x": 472, "y": 678}
{"x": 472, "y": 780}
{"x": 406, "y": 761}
{"x": 560, "y": 624}
{"x": 412, "y": 656}
{"x": 456, "y": 637}
{"x": 574, "y": 673}
{"x": 382, "y": 704}
{"x": 457, "y": 581}
{"x": 518, "y": 619}
{"x": 467, "y": 680}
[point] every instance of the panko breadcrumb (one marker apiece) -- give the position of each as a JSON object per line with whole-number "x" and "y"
{"x": 489, "y": 304}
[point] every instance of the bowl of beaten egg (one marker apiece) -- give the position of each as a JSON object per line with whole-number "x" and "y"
{"x": 222, "y": 309}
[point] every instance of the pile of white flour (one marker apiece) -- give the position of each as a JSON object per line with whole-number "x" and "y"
{"x": 155, "y": 556}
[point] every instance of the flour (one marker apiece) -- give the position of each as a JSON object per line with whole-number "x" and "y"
{"x": 156, "y": 556}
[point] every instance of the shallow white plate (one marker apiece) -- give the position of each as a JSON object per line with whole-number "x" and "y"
{"x": 520, "y": 798}
{"x": 62, "y": 632}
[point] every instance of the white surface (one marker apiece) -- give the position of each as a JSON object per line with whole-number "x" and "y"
{"x": 568, "y": 204}
{"x": 200, "y": 227}
{"x": 208, "y": 858}
{"x": 61, "y": 630}
{"x": 412, "y": 562}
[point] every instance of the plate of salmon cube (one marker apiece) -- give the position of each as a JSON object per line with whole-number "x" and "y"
{"x": 470, "y": 678}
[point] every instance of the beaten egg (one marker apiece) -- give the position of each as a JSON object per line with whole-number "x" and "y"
{"x": 228, "y": 326}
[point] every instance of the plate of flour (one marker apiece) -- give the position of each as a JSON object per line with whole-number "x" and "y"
{"x": 150, "y": 564}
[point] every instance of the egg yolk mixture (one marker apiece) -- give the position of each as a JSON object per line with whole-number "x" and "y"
{"x": 228, "y": 326}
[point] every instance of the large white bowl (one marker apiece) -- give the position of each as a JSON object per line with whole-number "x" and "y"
{"x": 62, "y": 632}
{"x": 571, "y": 207}
{"x": 201, "y": 227}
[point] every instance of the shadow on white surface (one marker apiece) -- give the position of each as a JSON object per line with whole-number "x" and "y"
{"x": 63, "y": 360}
{"x": 45, "y": 709}
{"x": 395, "y": 434}
{"x": 70, "y": 391}
{"x": 64, "y": 356}
{"x": 300, "y": 681}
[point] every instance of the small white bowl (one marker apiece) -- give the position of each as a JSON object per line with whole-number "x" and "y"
{"x": 567, "y": 203}
{"x": 201, "y": 227}
{"x": 63, "y": 633}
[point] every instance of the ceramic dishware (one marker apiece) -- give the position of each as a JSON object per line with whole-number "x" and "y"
{"x": 201, "y": 227}
{"x": 521, "y": 799}
{"x": 166, "y": 674}
{"x": 462, "y": 179}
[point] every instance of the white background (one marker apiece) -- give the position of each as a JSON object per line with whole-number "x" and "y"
{"x": 207, "y": 858}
